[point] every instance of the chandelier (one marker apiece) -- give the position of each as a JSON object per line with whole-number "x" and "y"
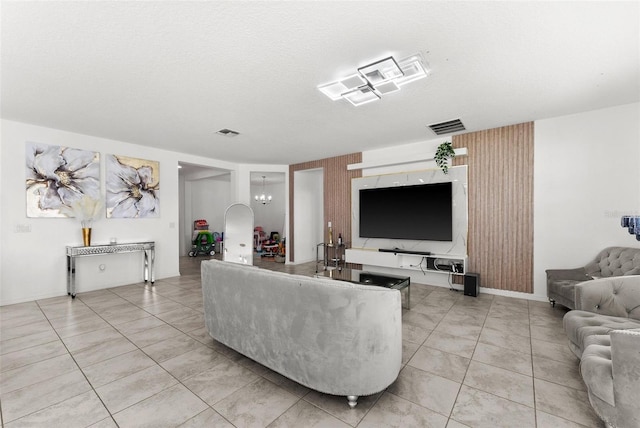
{"x": 263, "y": 198}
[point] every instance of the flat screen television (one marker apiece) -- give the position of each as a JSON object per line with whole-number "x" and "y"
{"x": 419, "y": 212}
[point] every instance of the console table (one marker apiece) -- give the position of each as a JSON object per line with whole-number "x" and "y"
{"x": 99, "y": 250}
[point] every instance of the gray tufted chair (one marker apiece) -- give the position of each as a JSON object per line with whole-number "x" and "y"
{"x": 610, "y": 262}
{"x": 604, "y": 332}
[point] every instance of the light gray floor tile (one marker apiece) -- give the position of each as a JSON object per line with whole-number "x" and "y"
{"x": 80, "y": 411}
{"x": 25, "y": 342}
{"x": 452, "y": 344}
{"x": 169, "y": 408}
{"x": 303, "y": 414}
{"x": 192, "y": 362}
{"x": 289, "y": 385}
{"x": 153, "y": 335}
{"x": 207, "y": 418}
{"x": 190, "y": 323}
{"x": 8, "y": 333}
{"x": 414, "y": 334}
{"x": 86, "y": 326}
{"x": 21, "y": 377}
{"x": 564, "y": 402}
{"x": 105, "y": 423}
{"x": 503, "y": 383}
{"x": 557, "y": 372}
{"x": 170, "y": 348}
{"x": 550, "y": 334}
{"x": 37, "y": 353}
{"x": 103, "y": 351}
{"x": 546, "y": 420}
{"x": 519, "y": 362}
{"x": 426, "y": 389}
{"x": 554, "y": 351}
{"x": 139, "y": 325}
{"x": 255, "y": 405}
{"x": 220, "y": 381}
{"x": 87, "y": 340}
{"x": 480, "y": 409}
{"x": 441, "y": 363}
{"x": 38, "y": 396}
{"x": 337, "y": 406}
{"x": 510, "y": 327}
{"x": 393, "y": 411}
{"x": 505, "y": 340}
{"x": 129, "y": 390}
{"x": 118, "y": 367}
{"x": 408, "y": 350}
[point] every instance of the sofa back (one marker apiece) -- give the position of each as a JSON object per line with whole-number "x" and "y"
{"x": 615, "y": 296}
{"x": 615, "y": 261}
{"x": 331, "y": 336}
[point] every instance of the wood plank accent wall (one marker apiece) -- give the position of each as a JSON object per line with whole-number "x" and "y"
{"x": 337, "y": 194}
{"x": 500, "y": 242}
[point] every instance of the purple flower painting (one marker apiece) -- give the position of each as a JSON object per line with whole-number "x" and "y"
{"x": 57, "y": 176}
{"x": 132, "y": 186}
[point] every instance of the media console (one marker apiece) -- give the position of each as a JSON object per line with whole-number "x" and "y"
{"x": 406, "y": 259}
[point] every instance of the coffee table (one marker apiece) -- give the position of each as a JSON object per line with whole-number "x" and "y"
{"x": 371, "y": 278}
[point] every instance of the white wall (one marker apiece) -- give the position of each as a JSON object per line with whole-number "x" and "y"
{"x": 309, "y": 212}
{"x": 586, "y": 176}
{"x": 33, "y": 264}
{"x": 207, "y": 199}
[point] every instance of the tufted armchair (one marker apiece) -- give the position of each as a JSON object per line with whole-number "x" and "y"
{"x": 604, "y": 332}
{"x": 603, "y": 305}
{"x": 610, "y": 262}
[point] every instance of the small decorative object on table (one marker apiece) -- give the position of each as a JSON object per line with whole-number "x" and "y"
{"x": 86, "y": 210}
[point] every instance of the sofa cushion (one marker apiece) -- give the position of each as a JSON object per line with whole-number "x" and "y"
{"x": 581, "y": 324}
{"x": 596, "y": 370}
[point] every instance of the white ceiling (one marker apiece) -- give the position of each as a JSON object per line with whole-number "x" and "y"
{"x": 170, "y": 74}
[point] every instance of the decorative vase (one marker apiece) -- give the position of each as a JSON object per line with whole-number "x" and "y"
{"x": 86, "y": 236}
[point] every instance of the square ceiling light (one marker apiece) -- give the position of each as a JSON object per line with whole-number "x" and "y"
{"x": 376, "y": 79}
{"x": 381, "y": 71}
{"x": 363, "y": 95}
{"x": 334, "y": 90}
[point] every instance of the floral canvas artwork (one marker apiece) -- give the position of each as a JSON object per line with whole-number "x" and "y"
{"x": 57, "y": 177}
{"x": 133, "y": 187}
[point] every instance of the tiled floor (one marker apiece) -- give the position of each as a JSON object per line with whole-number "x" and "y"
{"x": 140, "y": 356}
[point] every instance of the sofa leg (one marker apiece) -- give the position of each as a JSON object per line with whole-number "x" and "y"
{"x": 552, "y": 302}
{"x": 353, "y": 400}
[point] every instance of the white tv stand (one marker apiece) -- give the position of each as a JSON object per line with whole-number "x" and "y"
{"x": 405, "y": 259}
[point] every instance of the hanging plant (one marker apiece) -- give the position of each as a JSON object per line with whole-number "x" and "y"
{"x": 443, "y": 154}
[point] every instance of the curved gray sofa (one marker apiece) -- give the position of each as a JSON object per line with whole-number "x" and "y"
{"x": 604, "y": 332}
{"x": 331, "y": 336}
{"x": 612, "y": 261}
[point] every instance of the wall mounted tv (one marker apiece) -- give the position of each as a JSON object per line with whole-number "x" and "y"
{"x": 420, "y": 212}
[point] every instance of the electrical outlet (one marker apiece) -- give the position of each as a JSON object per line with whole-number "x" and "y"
{"x": 23, "y": 228}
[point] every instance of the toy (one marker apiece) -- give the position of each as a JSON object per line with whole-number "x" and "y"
{"x": 202, "y": 241}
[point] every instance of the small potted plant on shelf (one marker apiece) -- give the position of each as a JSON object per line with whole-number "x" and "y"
{"x": 444, "y": 152}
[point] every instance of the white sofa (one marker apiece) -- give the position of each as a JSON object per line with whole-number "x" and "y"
{"x": 331, "y": 336}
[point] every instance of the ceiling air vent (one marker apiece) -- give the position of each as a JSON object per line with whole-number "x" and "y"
{"x": 227, "y": 132}
{"x": 447, "y": 127}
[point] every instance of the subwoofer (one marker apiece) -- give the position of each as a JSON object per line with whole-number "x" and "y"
{"x": 471, "y": 284}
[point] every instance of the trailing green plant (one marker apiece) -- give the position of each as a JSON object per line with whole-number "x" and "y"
{"x": 444, "y": 152}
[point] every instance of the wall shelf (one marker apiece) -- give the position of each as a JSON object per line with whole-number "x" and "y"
{"x": 391, "y": 162}
{"x": 437, "y": 263}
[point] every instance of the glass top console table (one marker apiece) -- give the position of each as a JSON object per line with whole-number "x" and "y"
{"x": 99, "y": 250}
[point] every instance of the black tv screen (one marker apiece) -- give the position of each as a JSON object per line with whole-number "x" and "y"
{"x": 421, "y": 212}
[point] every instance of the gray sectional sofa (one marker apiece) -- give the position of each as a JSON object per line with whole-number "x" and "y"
{"x": 604, "y": 332}
{"x": 612, "y": 261}
{"x": 331, "y": 336}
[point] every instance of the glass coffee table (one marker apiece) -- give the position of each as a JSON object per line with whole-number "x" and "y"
{"x": 371, "y": 278}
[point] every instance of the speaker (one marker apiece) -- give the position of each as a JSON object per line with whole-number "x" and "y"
{"x": 471, "y": 284}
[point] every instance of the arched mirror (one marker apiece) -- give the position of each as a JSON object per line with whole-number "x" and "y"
{"x": 238, "y": 234}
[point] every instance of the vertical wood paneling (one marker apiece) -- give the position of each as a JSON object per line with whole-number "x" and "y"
{"x": 337, "y": 194}
{"x": 500, "y": 243}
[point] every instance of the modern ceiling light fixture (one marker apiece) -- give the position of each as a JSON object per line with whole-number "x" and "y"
{"x": 376, "y": 79}
{"x": 263, "y": 198}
